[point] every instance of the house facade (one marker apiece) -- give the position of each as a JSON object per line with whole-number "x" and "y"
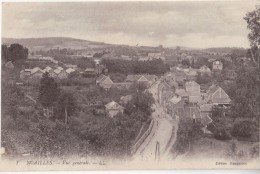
{"x": 217, "y": 65}
{"x": 113, "y": 108}
{"x": 104, "y": 82}
{"x": 217, "y": 96}
{"x": 193, "y": 90}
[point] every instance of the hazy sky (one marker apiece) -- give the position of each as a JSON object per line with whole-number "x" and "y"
{"x": 190, "y": 24}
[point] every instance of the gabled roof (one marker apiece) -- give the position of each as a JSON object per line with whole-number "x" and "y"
{"x": 224, "y": 98}
{"x": 60, "y": 68}
{"x": 100, "y": 77}
{"x": 212, "y": 89}
{"x": 191, "y": 84}
{"x": 48, "y": 68}
{"x": 133, "y": 78}
{"x": 36, "y": 69}
{"x": 175, "y": 99}
{"x": 113, "y": 105}
{"x": 57, "y": 71}
{"x": 140, "y": 77}
{"x": 70, "y": 70}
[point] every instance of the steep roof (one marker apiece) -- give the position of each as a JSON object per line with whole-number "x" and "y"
{"x": 140, "y": 77}
{"x": 36, "y": 69}
{"x": 60, "y": 68}
{"x": 175, "y": 99}
{"x": 113, "y": 105}
{"x": 70, "y": 70}
{"x": 192, "y": 84}
{"x": 212, "y": 89}
{"x": 223, "y": 98}
{"x": 57, "y": 71}
{"x": 100, "y": 78}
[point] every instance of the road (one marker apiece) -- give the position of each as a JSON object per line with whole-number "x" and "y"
{"x": 160, "y": 135}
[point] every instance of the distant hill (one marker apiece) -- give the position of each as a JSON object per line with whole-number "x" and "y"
{"x": 53, "y": 42}
{"x": 227, "y": 50}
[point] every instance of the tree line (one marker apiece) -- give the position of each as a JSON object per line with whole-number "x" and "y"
{"x": 156, "y": 67}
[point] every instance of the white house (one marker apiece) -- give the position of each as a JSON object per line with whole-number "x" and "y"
{"x": 113, "y": 108}
{"x": 217, "y": 65}
{"x": 204, "y": 69}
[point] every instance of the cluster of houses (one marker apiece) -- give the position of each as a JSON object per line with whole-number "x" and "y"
{"x": 36, "y": 73}
{"x": 190, "y": 100}
{"x": 106, "y": 82}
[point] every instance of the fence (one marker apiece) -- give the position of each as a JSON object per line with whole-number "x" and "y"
{"x": 135, "y": 147}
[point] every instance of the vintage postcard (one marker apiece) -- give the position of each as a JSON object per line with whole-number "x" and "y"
{"x": 117, "y": 85}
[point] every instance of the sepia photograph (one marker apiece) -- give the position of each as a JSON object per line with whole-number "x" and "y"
{"x": 120, "y": 85}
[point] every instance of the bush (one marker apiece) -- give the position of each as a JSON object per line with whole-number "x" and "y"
{"x": 246, "y": 130}
{"x": 221, "y": 134}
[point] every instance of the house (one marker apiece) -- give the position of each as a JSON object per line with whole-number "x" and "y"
{"x": 104, "y": 82}
{"x": 90, "y": 71}
{"x": 125, "y": 99}
{"x": 59, "y": 67}
{"x": 9, "y": 65}
{"x": 36, "y": 73}
{"x": 71, "y": 66}
{"x": 25, "y": 73}
{"x": 52, "y": 73}
{"x": 70, "y": 70}
{"x": 176, "y": 105}
{"x": 99, "y": 69}
{"x": 192, "y": 87}
{"x": 47, "y": 69}
{"x": 63, "y": 74}
{"x": 144, "y": 59}
{"x": 193, "y": 90}
{"x": 217, "y": 65}
{"x": 113, "y": 108}
{"x": 217, "y": 96}
{"x": 204, "y": 69}
{"x": 57, "y": 71}
{"x": 206, "y": 109}
{"x": 163, "y": 88}
{"x": 146, "y": 79}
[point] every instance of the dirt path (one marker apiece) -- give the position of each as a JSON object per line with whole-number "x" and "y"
{"x": 160, "y": 136}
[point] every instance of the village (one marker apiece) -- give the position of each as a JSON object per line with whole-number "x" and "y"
{"x": 140, "y": 85}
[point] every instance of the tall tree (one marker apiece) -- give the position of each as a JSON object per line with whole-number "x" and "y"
{"x": 5, "y": 54}
{"x": 253, "y": 23}
{"x": 48, "y": 93}
{"x": 66, "y": 106}
{"x": 17, "y": 52}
